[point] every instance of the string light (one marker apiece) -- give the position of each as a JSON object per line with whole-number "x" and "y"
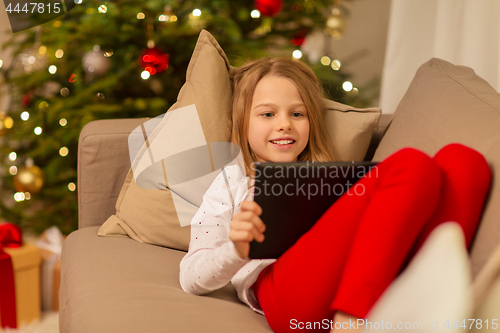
{"x": 64, "y": 92}
{"x": 8, "y": 122}
{"x": 38, "y": 130}
{"x": 145, "y": 75}
{"x": 347, "y": 86}
{"x": 12, "y": 156}
{"x": 196, "y": 12}
{"x": 72, "y": 187}
{"x": 103, "y": 9}
{"x": 63, "y": 151}
{"x": 335, "y": 65}
{"x": 59, "y": 54}
{"x": 25, "y": 115}
{"x": 13, "y": 170}
{"x": 27, "y": 195}
{"x": 168, "y": 15}
{"x": 52, "y": 69}
{"x": 19, "y": 196}
{"x": 63, "y": 122}
{"x": 140, "y": 16}
{"x": 1, "y": 63}
{"x": 255, "y": 13}
{"x": 325, "y": 60}
{"x": 43, "y": 106}
{"x": 297, "y": 54}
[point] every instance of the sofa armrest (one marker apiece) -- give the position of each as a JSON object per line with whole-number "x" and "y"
{"x": 103, "y": 163}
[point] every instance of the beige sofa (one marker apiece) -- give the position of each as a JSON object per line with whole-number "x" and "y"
{"x": 111, "y": 284}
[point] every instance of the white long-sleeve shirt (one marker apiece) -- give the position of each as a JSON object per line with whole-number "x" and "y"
{"x": 211, "y": 261}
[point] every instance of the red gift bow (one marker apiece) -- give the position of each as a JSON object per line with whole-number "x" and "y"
{"x": 10, "y": 236}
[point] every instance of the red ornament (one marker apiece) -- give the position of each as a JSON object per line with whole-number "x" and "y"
{"x": 26, "y": 99}
{"x": 154, "y": 60}
{"x": 299, "y": 38}
{"x": 268, "y": 7}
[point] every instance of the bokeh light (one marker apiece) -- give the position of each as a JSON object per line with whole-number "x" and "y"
{"x": 19, "y": 196}
{"x": 64, "y": 151}
{"x": 297, "y": 54}
{"x": 347, "y": 86}
{"x": 325, "y": 60}
{"x": 145, "y": 75}
{"x": 336, "y": 65}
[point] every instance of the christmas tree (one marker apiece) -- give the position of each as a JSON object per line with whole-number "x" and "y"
{"x": 127, "y": 59}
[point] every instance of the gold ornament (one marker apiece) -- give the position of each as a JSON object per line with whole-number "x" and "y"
{"x": 335, "y": 23}
{"x": 29, "y": 179}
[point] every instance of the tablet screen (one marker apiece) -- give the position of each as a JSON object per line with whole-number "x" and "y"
{"x": 293, "y": 196}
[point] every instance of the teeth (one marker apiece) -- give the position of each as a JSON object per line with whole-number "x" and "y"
{"x": 283, "y": 142}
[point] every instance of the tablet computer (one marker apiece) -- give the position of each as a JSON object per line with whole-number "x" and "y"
{"x": 294, "y": 195}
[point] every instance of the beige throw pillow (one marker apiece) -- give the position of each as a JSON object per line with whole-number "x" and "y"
{"x": 446, "y": 103}
{"x": 149, "y": 215}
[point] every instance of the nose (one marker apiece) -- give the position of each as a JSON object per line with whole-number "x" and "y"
{"x": 284, "y": 123}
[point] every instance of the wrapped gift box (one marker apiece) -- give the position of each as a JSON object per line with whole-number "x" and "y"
{"x": 50, "y": 245}
{"x": 26, "y": 265}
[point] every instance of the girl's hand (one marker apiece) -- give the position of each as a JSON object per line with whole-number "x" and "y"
{"x": 246, "y": 227}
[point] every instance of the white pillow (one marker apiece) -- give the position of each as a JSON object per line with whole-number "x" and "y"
{"x": 433, "y": 288}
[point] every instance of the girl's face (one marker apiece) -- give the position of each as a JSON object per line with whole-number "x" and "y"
{"x": 279, "y": 124}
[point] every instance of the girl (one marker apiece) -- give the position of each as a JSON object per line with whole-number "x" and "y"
{"x": 340, "y": 267}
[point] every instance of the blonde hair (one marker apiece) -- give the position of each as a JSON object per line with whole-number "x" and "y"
{"x": 244, "y": 80}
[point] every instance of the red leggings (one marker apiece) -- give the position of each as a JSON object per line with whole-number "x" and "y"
{"x": 362, "y": 242}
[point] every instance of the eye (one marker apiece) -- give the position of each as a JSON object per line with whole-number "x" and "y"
{"x": 298, "y": 114}
{"x": 266, "y": 114}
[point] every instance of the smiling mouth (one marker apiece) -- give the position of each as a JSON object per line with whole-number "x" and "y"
{"x": 282, "y": 142}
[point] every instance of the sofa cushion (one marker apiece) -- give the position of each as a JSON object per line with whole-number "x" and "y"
{"x": 486, "y": 291}
{"x": 433, "y": 288}
{"x": 119, "y": 285}
{"x": 445, "y": 104}
{"x": 149, "y": 215}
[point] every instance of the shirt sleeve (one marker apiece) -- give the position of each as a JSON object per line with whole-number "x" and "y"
{"x": 211, "y": 261}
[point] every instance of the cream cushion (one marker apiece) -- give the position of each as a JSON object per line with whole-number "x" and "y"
{"x": 432, "y": 289}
